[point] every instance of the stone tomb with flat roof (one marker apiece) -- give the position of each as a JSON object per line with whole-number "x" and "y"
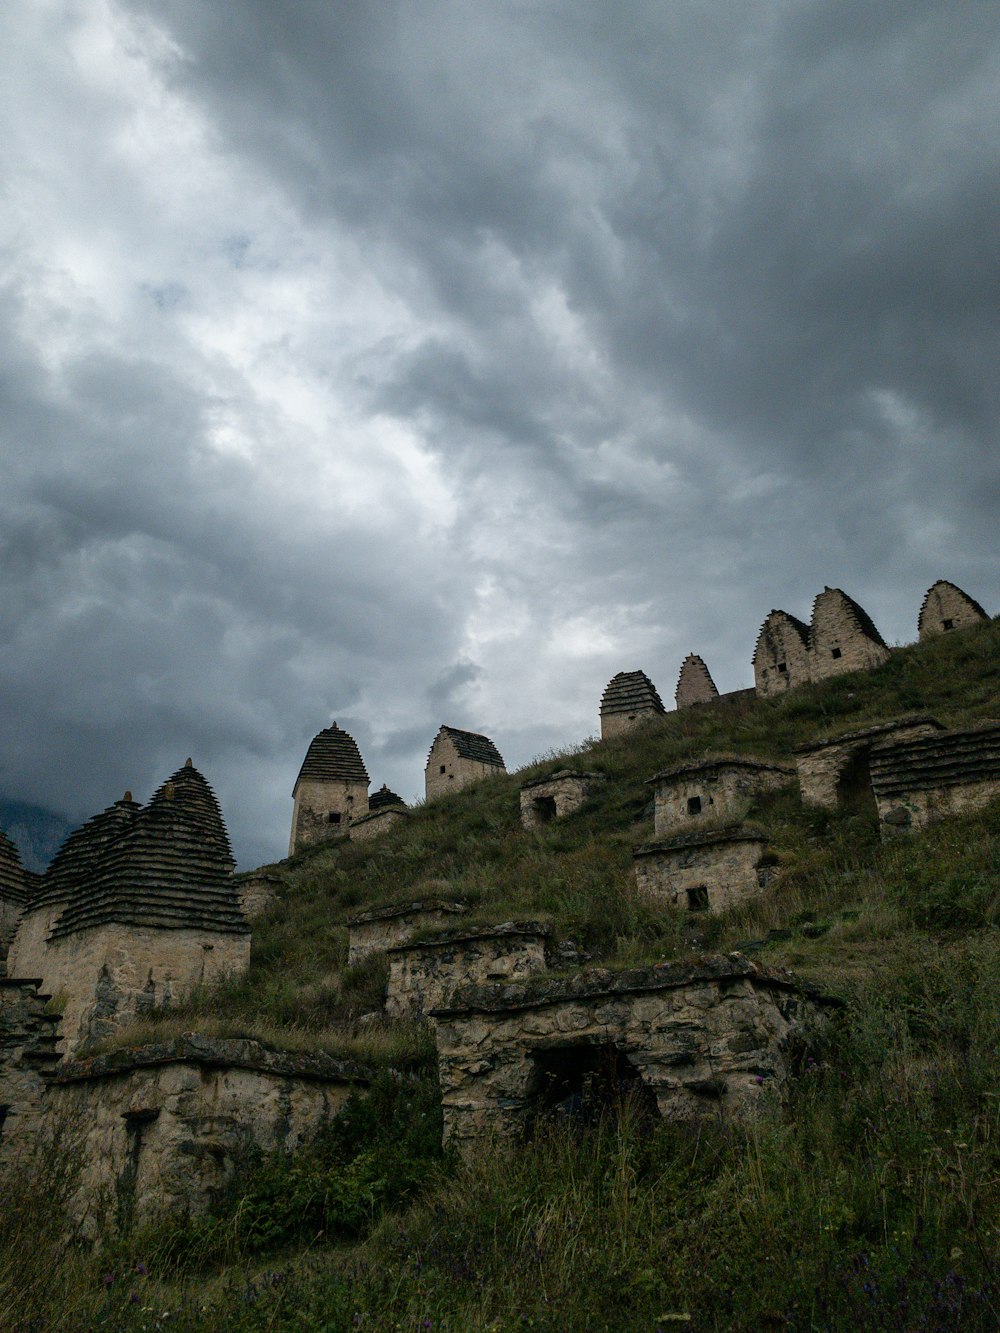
{"x": 714, "y": 1038}
{"x": 719, "y": 787}
{"x": 835, "y": 771}
{"x": 704, "y": 870}
{"x": 380, "y": 928}
{"x": 924, "y": 778}
{"x": 557, "y": 795}
{"x": 424, "y": 973}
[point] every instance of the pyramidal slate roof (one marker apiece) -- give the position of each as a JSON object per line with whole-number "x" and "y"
{"x": 383, "y": 798}
{"x": 631, "y": 692}
{"x": 867, "y": 625}
{"x": 333, "y": 756}
{"x": 471, "y": 745}
{"x": 170, "y": 867}
{"x": 13, "y": 881}
{"x": 81, "y": 856}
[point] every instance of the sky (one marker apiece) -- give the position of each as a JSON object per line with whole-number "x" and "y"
{"x": 405, "y": 364}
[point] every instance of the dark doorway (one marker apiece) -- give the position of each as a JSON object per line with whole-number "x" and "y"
{"x": 545, "y": 809}
{"x": 585, "y": 1084}
{"x": 694, "y": 805}
{"x": 697, "y": 898}
{"x": 854, "y": 787}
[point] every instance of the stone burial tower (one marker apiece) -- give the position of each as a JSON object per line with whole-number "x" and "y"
{"x": 629, "y": 700}
{"x": 457, "y": 759}
{"x": 330, "y": 791}
{"x": 137, "y": 907}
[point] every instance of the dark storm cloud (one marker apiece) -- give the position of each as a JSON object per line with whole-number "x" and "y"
{"x": 670, "y": 314}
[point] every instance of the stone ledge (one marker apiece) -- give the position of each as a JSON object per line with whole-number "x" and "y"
{"x": 404, "y": 909}
{"x": 703, "y": 838}
{"x": 845, "y": 738}
{"x": 446, "y": 938}
{"x": 540, "y": 992}
{"x": 722, "y": 761}
{"x": 379, "y": 813}
{"x": 564, "y": 774}
{"x": 214, "y": 1052}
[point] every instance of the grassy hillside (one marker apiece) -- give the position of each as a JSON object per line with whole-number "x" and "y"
{"x": 873, "y": 1202}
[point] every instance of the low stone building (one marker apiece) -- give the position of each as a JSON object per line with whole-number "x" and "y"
{"x": 330, "y": 791}
{"x": 382, "y": 928}
{"x": 556, "y": 796}
{"x": 256, "y": 890}
{"x": 695, "y": 684}
{"x": 781, "y": 655}
{"x": 946, "y": 607}
{"x": 842, "y": 637}
{"x": 165, "y": 1129}
{"x": 834, "y": 771}
{"x": 385, "y": 810}
{"x": 137, "y": 908}
{"x": 629, "y": 700}
{"x": 713, "y": 1038}
{"x": 705, "y": 870}
{"x": 458, "y": 758}
{"x": 423, "y": 974}
{"x": 927, "y": 777}
{"x": 714, "y": 788}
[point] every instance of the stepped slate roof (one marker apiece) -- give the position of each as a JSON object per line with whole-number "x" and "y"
{"x": 940, "y": 760}
{"x": 799, "y": 626}
{"x": 333, "y": 756}
{"x": 13, "y": 882}
{"x": 970, "y": 602}
{"x": 865, "y": 622}
{"x": 695, "y": 675}
{"x": 170, "y": 867}
{"x": 383, "y": 798}
{"x": 471, "y": 745}
{"x": 81, "y": 856}
{"x": 631, "y": 692}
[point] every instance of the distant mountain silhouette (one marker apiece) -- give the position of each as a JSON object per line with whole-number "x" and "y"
{"x": 37, "y": 832}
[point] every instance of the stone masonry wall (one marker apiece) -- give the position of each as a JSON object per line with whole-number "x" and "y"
{"x": 709, "y": 1040}
{"x": 448, "y": 771}
{"x": 837, "y": 642}
{"x": 316, "y": 802}
{"x": 424, "y": 975}
{"x": 821, "y": 764}
{"x": 166, "y": 1128}
{"x": 256, "y": 891}
{"x": 781, "y": 655}
{"x": 377, "y": 822}
{"x": 922, "y": 779}
{"x": 694, "y": 684}
{"x": 105, "y": 975}
{"x": 687, "y": 797}
{"x": 945, "y": 608}
{"x": 28, "y": 1037}
{"x": 556, "y": 796}
{"x": 384, "y": 928}
{"x": 707, "y": 872}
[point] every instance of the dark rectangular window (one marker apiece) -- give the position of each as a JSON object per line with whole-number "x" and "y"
{"x": 442, "y": 768}
{"x": 948, "y": 624}
{"x": 698, "y": 899}
{"x": 783, "y": 667}
{"x": 835, "y": 652}
{"x": 694, "y": 805}
{"x": 333, "y": 817}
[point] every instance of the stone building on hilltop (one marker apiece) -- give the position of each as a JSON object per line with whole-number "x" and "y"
{"x": 137, "y": 908}
{"x": 840, "y": 637}
{"x": 330, "y": 791}
{"x": 945, "y": 608}
{"x": 13, "y": 893}
{"x": 457, "y": 759}
{"x": 629, "y": 700}
{"x": 695, "y": 684}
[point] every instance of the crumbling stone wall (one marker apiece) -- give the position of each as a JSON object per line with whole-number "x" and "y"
{"x": 28, "y": 1037}
{"x": 108, "y": 974}
{"x": 704, "y": 871}
{"x": 946, "y": 607}
{"x": 382, "y": 928}
{"x": 556, "y": 796}
{"x": 424, "y": 974}
{"x": 931, "y": 776}
{"x": 377, "y": 822}
{"x": 256, "y": 891}
{"x": 718, "y": 788}
{"x": 823, "y": 765}
{"x": 167, "y": 1127}
{"x": 695, "y": 684}
{"x": 711, "y": 1039}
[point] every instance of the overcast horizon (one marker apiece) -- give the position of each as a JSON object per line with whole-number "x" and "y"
{"x": 405, "y": 365}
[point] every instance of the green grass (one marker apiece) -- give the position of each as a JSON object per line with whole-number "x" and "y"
{"x": 873, "y": 1201}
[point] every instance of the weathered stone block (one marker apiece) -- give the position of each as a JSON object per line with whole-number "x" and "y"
{"x": 705, "y": 871}
{"x": 835, "y": 771}
{"x": 382, "y": 928}
{"x": 377, "y": 822}
{"x": 423, "y": 975}
{"x": 556, "y": 796}
{"x": 924, "y": 778}
{"x": 720, "y": 787}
